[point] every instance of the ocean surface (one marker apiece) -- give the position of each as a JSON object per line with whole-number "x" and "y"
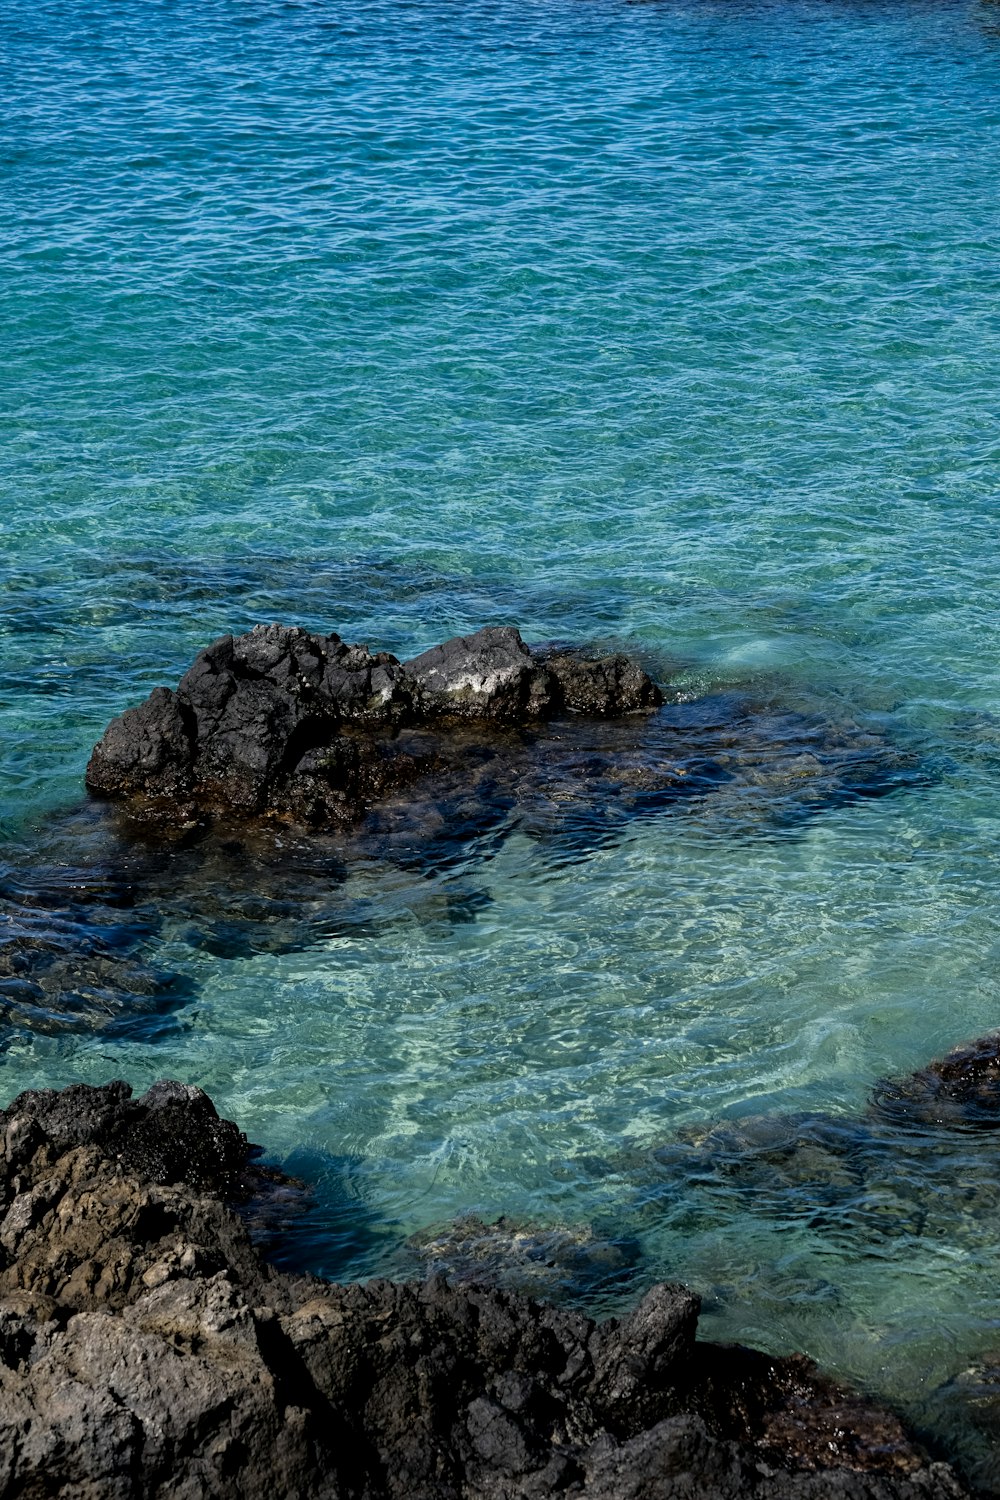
{"x": 671, "y": 327}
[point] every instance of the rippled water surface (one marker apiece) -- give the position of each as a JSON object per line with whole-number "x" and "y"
{"x": 671, "y": 325}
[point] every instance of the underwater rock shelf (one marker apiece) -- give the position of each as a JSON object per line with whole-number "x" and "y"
{"x": 146, "y": 1349}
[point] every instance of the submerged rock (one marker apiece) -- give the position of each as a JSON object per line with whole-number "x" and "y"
{"x": 841, "y": 1179}
{"x": 250, "y": 884}
{"x": 73, "y": 957}
{"x": 960, "y": 1091}
{"x": 967, "y": 1408}
{"x": 542, "y": 1261}
{"x": 908, "y": 1168}
{"x": 146, "y": 1350}
{"x": 853, "y": 1163}
{"x": 468, "y": 740}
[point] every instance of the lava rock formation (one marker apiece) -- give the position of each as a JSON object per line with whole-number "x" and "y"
{"x": 147, "y": 1350}
{"x": 283, "y": 721}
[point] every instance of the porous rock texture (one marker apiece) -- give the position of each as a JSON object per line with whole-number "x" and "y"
{"x": 146, "y": 1350}
{"x": 284, "y": 721}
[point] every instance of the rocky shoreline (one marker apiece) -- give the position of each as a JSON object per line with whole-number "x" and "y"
{"x": 146, "y": 1349}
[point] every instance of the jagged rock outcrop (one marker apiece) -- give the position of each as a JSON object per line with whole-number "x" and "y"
{"x": 284, "y": 721}
{"x": 146, "y": 1350}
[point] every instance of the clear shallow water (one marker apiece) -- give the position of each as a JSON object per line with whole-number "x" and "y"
{"x": 667, "y": 324}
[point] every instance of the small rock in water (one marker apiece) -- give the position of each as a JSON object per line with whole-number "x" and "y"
{"x": 284, "y": 721}
{"x": 236, "y": 810}
{"x": 430, "y": 760}
{"x": 528, "y": 1258}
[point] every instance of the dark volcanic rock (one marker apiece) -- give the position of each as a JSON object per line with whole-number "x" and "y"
{"x": 145, "y": 1350}
{"x": 960, "y": 1091}
{"x": 283, "y": 721}
{"x": 103, "y": 1196}
{"x": 421, "y": 765}
{"x": 172, "y": 1134}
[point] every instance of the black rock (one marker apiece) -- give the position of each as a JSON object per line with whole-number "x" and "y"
{"x": 171, "y": 1134}
{"x": 960, "y": 1091}
{"x": 283, "y": 721}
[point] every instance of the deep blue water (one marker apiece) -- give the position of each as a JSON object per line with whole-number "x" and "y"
{"x": 671, "y": 325}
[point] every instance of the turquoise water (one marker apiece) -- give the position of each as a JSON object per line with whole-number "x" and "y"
{"x": 666, "y": 325}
